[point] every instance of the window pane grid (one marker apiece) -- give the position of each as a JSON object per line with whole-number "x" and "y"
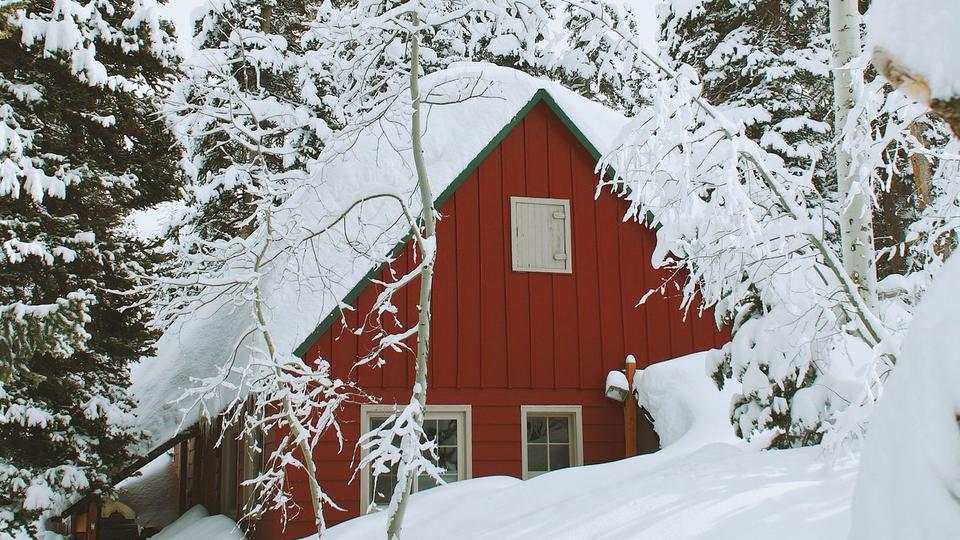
{"x": 548, "y": 442}
{"x": 447, "y": 433}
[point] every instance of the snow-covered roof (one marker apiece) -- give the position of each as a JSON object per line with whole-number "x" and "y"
{"x": 469, "y": 107}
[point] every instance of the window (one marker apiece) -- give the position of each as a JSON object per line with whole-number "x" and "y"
{"x": 540, "y": 233}
{"x": 552, "y": 438}
{"x": 448, "y": 424}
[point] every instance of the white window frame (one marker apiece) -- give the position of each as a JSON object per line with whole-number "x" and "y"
{"x": 575, "y": 412}
{"x": 462, "y": 413}
{"x": 514, "y": 234}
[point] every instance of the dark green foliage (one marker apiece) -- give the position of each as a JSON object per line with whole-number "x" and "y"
{"x": 67, "y": 423}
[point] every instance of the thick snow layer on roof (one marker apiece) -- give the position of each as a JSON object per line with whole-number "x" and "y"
{"x": 922, "y": 36}
{"x": 701, "y": 486}
{"x": 153, "y": 494}
{"x": 469, "y": 104}
{"x": 909, "y": 483}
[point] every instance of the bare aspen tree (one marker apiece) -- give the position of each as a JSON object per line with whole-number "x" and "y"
{"x": 856, "y": 219}
{"x": 429, "y": 219}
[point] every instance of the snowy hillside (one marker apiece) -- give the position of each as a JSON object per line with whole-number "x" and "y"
{"x": 704, "y": 485}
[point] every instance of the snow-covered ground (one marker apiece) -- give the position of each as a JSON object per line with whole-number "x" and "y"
{"x": 909, "y": 484}
{"x": 716, "y": 492}
{"x": 703, "y": 485}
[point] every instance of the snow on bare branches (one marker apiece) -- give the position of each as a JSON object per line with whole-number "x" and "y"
{"x": 759, "y": 241}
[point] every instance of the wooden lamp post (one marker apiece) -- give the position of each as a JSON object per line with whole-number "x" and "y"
{"x": 630, "y": 410}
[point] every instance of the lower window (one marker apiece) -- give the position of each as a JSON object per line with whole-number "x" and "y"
{"x": 449, "y": 425}
{"x": 551, "y": 437}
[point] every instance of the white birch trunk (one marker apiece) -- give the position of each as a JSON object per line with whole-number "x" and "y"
{"x": 429, "y": 220}
{"x": 856, "y": 218}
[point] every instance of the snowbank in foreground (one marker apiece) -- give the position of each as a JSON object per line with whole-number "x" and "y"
{"x": 699, "y": 487}
{"x": 909, "y": 484}
{"x": 197, "y": 524}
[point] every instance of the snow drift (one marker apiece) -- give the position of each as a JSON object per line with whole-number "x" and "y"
{"x": 909, "y": 483}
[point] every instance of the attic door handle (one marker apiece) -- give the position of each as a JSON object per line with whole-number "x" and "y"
{"x": 559, "y": 256}
{"x": 559, "y": 214}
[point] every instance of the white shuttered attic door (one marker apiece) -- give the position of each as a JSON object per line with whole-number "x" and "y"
{"x": 540, "y": 230}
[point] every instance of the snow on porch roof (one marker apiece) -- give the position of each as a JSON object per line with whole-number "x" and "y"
{"x": 306, "y": 292}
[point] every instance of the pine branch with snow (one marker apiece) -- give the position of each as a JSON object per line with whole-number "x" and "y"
{"x": 79, "y": 151}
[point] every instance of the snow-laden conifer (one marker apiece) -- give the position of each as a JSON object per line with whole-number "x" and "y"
{"x": 80, "y": 148}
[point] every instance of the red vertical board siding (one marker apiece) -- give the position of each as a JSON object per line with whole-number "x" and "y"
{"x": 411, "y": 316}
{"x": 585, "y": 270}
{"x": 519, "y": 355}
{"x": 501, "y": 339}
{"x": 658, "y": 315}
{"x": 367, "y": 377}
{"x": 566, "y": 359}
{"x": 611, "y": 298}
{"x": 395, "y": 368}
{"x": 541, "y": 284}
{"x": 444, "y": 305}
{"x": 493, "y": 323}
{"x": 703, "y": 326}
{"x": 633, "y": 287}
{"x": 468, "y": 283}
{"x": 513, "y": 160}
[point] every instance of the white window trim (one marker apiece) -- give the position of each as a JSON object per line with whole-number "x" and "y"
{"x": 444, "y": 411}
{"x": 574, "y": 411}
{"x": 568, "y": 248}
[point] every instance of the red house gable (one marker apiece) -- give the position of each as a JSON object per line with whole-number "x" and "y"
{"x": 505, "y": 342}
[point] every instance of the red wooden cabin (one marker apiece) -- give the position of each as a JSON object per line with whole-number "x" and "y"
{"x": 536, "y": 299}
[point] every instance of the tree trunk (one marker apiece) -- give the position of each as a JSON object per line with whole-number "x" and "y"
{"x": 429, "y": 220}
{"x": 297, "y": 429}
{"x": 856, "y": 217}
{"x": 922, "y": 169}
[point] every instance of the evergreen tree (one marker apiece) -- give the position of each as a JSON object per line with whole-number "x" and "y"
{"x": 248, "y": 109}
{"x": 80, "y": 148}
{"x": 767, "y": 64}
{"x": 770, "y": 60}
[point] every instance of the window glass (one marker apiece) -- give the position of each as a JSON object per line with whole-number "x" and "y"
{"x": 548, "y": 443}
{"x": 447, "y": 432}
